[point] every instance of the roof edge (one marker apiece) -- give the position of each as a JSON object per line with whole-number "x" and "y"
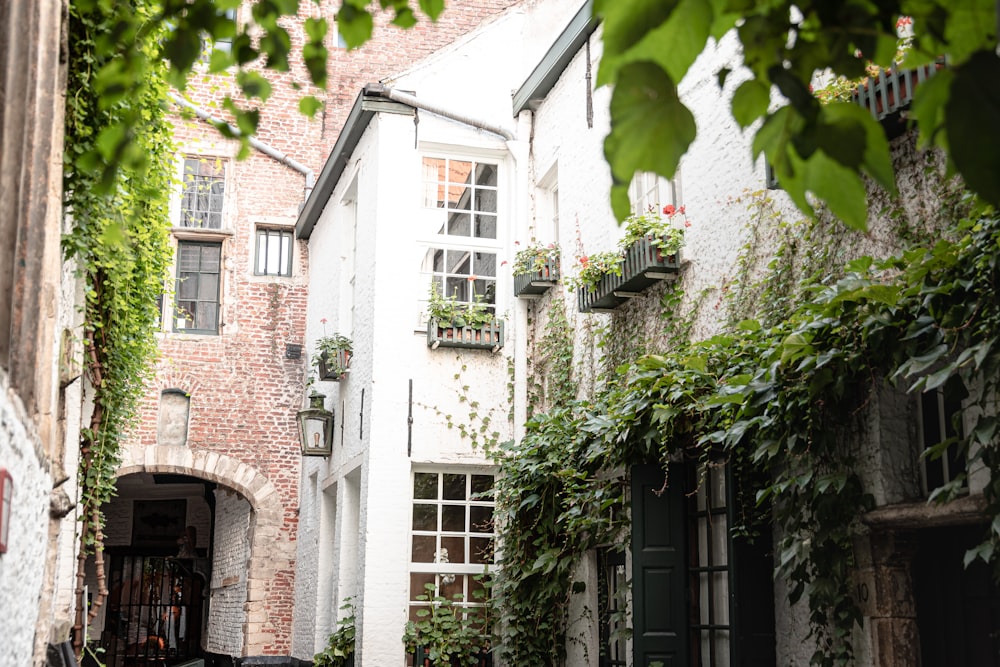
{"x": 556, "y": 59}
{"x": 350, "y": 136}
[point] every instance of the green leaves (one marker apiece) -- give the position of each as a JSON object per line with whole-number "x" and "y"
{"x": 650, "y": 128}
{"x": 750, "y": 102}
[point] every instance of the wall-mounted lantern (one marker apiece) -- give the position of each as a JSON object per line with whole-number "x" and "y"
{"x": 316, "y": 428}
{"x": 6, "y": 500}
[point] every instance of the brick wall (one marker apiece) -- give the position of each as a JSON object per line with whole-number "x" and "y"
{"x": 244, "y": 392}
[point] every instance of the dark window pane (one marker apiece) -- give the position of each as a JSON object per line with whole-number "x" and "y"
{"x": 425, "y": 485}
{"x": 453, "y": 590}
{"x": 480, "y": 519}
{"x": 425, "y": 517}
{"x": 453, "y": 518}
{"x": 187, "y": 286}
{"x": 454, "y": 487}
{"x": 482, "y": 486}
{"x": 455, "y": 547}
{"x": 424, "y": 547}
{"x": 480, "y": 550}
{"x": 208, "y": 287}
{"x": 418, "y": 582}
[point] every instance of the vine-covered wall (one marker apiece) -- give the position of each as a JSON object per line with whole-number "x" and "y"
{"x": 785, "y": 349}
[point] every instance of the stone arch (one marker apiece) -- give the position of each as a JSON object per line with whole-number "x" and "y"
{"x": 268, "y": 546}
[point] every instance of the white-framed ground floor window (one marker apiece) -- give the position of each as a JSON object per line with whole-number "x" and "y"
{"x": 452, "y": 537}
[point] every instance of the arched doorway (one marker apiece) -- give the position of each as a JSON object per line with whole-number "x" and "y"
{"x": 171, "y": 596}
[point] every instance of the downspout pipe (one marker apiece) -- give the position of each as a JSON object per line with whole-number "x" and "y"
{"x": 259, "y": 145}
{"x": 411, "y": 100}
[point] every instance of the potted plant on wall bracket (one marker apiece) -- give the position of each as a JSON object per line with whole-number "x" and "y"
{"x": 453, "y": 323}
{"x": 649, "y": 252}
{"x": 536, "y": 269}
{"x": 332, "y": 358}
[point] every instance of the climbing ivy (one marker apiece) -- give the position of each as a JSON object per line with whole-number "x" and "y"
{"x": 777, "y": 402}
{"x": 118, "y": 242}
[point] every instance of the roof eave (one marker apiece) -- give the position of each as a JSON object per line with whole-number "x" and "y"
{"x": 556, "y": 59}
{"x": 370, "y": 100}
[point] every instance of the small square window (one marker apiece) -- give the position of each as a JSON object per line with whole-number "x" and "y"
{"x": 274, "y": 252}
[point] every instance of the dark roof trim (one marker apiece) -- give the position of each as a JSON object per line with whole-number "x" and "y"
{"x": 370, "y": 101}
{"x": 555, "y": 61}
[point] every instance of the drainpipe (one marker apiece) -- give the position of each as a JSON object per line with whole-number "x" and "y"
{"x": 267, "y": 150}
{"x": 436, "y": 109}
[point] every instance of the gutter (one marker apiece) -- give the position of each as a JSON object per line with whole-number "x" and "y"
{"x": 438, "y": 110}
{"x": 373, "y": 98}
{"x": 266, "y": 149}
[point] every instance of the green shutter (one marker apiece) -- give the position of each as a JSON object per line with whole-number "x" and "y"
{"x": 658, "y": 568}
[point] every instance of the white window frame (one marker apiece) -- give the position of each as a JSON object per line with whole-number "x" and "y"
{"x": 441, "y": 570}
{"x": 648, "y": 190}
{"x": 434, "y": 221}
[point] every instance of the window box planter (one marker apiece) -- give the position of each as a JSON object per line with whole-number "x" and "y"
{"x": 421, "y": 658}
{"x": 487, "y": 337}
{"x": 535, "y": 284}
{"x": 643, "y": 265}
{"x": 336, "y": 369}
{"x": 891, "y": 91}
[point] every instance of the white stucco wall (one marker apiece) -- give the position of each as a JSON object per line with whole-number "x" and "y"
{"x": 367, "y": 481}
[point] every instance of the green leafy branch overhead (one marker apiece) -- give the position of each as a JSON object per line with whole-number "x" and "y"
{"x": 255, "y": 42}
{"x": 818, "y": 152}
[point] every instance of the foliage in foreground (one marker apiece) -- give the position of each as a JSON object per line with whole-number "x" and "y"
{"x": 119, "y": 245}
{"x": 775, "y": 402}
{"x": 814, "y": 148}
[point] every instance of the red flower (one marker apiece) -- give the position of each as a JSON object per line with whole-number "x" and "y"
{"x": 584, "y": 261}
{"x": 682, "y": 211}
{"x": 669, "y": 209}
{"x": 323, "y": 320}
{"x": 687, "y": 223}
{"x": 472, "y": 277}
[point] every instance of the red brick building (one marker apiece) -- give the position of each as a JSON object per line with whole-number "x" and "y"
{"x": 202, "y": 534}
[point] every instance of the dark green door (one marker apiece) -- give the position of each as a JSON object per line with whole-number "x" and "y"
{"x": 658, "y": 567}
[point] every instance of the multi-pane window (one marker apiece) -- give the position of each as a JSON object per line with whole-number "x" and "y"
{"x": 467, "y": 275}
{"x": 650, "y": 191}
{"x": 452, "y": 538}
{"x": 274, "y": 252}
{"x": 467, "y": 193}
{"x": 943, "y": 461}
{"x": 197, "y": 292}
{"x": 611, "y": 587}
{"x": 708, "y": 570}
{"x": 204, "y": 193}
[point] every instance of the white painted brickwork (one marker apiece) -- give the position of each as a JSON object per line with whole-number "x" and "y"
{"x": 22, "y": 568}
{"x": 228, "y": 588}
